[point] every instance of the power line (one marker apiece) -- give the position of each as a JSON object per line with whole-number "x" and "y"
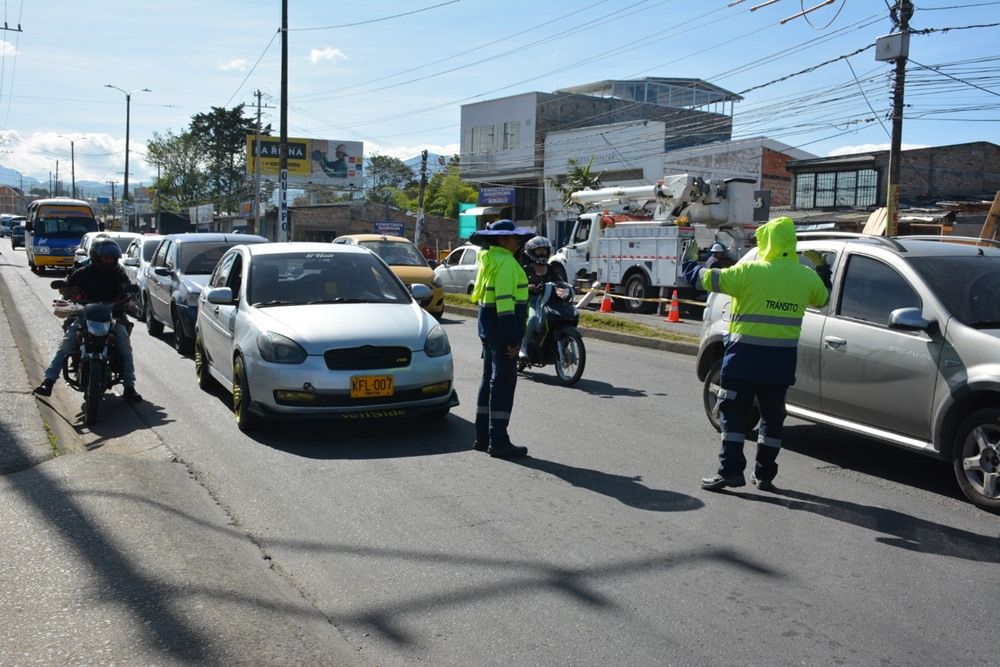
{"x": 935, "y": 69}
{"x": 243, "y": 82}
{"x": 378, "y": 20}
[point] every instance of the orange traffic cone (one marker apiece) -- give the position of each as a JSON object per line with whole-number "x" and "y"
{"x": 674, "y": 315}
{"x": 606, "y": 305}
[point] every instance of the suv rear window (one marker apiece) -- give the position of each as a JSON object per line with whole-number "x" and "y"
{"x": 969, "y": 287}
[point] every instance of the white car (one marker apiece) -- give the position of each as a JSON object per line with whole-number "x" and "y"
{"x": 136, "y": 261}
{"x": 82, "y": 254}
{"x": 457, "y": 273}
{"x": 319, "y": 329}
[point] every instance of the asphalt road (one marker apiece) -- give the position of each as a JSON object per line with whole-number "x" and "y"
{"x": 598, "y": 549}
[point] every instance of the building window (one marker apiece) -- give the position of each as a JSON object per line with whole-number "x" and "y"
{"x": 857, "y": 188}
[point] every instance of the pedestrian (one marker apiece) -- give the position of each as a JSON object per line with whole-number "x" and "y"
{"x": 501, "y": 290}
{"x": 770, "y": 296}
{"x": 102, "y": 280}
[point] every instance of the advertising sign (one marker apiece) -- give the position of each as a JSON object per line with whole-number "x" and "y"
{"x": 390, "y": 228}
{"x": 316, "y": 161}
{"x": 200, "y": 216}
{"x": 496, "y": 194}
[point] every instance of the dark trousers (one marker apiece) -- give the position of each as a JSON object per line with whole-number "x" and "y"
{"x": 496, "y": 394}
{"x": 735, "y": 402}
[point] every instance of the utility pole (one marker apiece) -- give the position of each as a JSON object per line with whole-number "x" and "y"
{"x": 256, "y": 171}
{"x": 57, "y": 178}
{"x": 896, "y": 47}
{"x": 419, "y": 227}
{"x": 112, "y": 184}
{"x": 72, "y": 167}
{"x": 282, "y": 234}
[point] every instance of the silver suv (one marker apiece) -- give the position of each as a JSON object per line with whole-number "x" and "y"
{"x": 907, "y": 351}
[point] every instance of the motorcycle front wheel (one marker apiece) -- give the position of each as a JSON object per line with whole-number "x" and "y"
{"x": 571, "y": 356}
{"x": 93, "y": 391}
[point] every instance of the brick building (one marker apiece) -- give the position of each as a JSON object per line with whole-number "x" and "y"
{"x": 324, "y": 222}
{"x": 12, "y": 200}
{"x": 926, "y": 175}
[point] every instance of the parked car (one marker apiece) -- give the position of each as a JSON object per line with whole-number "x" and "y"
{"x": 405, "y": 261}
{"x": 905, "y": 351}
{"x": 457, "y": 272}
{"x": 81, "y": 256}
{"x": 17, "y": 234}
{"x": 181, "y": 265}
{"x": 136, "y": 263}
{"x": 322, "y": 330}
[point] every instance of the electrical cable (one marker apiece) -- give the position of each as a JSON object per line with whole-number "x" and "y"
{"x": 242, "y": 83}
{"x": 378, "y": 20}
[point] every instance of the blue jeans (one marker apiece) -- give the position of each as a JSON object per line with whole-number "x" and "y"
{"x": 68, "y": 345}
{"x": 496, "y": 393}
{"x": 735, "y": 401}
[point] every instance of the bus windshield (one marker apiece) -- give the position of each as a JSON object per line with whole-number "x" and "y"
{"x": 72, "y": 227}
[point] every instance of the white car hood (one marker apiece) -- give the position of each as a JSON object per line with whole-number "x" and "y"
{"x": 320, "y": 327}
{"x": 194, "y": 283}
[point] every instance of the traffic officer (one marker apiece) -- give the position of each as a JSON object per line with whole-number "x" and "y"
{"x": 501, "y": 290}
{"x": 770, "y": 295}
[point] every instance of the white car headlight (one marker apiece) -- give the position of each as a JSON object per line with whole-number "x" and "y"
{"x": 279, "y": 349}
{"x": 437, "y": 344}
{"x": 41, "y": 250}
{"x": 436, "y": 281}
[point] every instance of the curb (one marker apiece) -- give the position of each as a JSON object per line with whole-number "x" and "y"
{"x": 679, "y": 347}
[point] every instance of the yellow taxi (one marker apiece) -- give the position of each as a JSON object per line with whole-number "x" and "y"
{"x": 405, "y": 261}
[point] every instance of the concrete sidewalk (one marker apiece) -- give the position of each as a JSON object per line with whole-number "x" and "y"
{"x": 120, "y": 559}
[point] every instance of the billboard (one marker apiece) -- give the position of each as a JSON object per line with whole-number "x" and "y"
{"x": 316, "y": 161}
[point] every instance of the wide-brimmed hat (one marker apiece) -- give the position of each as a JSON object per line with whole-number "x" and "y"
{"x": 497, "y": 229}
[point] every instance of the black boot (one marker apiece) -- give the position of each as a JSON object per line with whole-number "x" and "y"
{"x": 507, "y": 451}
{"x": 45, "y": 388}
{"x": 131, "y": 395}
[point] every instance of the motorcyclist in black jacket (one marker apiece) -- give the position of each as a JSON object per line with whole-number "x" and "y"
{"x": 102, "y": 280}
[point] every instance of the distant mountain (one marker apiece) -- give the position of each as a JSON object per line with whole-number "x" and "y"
{"x": 14, "y": 177}
{"x": 86, "y": 189}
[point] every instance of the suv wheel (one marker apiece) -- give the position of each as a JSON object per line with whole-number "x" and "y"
{"x": 976, "y": 458}
{"x": 182, "y": 343}
{"x": 153, "y": 325}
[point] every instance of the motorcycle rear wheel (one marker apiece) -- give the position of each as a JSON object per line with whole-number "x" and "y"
{"x": 571, "y": 357}
{"x": 93, "y": 391}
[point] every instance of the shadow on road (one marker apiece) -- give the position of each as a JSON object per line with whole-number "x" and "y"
{"x": 898, "y": 529}
{"x": 870, "y": 457}
{"x": 626, "y": 490}
{"x": 592, "y": 387}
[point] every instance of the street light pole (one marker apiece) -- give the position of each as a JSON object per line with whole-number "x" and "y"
{"x": 72, "y": 160}
{"x": 128, "y": 113}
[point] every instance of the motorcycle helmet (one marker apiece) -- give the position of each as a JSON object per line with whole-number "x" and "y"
{"x": 538, "y": 250}
{"x": 104, "y": 254}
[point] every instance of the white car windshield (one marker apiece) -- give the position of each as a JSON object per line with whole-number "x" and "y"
{"x": 307, "y": 278}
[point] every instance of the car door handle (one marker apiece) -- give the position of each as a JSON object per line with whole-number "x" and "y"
{"x": 835, "y": 341}
{"x": 215, "y": 310}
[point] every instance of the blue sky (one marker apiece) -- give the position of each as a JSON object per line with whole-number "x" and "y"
{"x": 398, "y": 83}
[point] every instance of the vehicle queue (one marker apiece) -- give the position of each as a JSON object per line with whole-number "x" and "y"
{"x": 248, "y": 311}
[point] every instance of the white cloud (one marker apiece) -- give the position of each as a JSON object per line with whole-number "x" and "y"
{"x": 328, "y": 53}
{"x": 868, "y": 148}
{"x": 7, "y": 49}
{"x": 238, "y": 64}
{"x": 96, "y": 157}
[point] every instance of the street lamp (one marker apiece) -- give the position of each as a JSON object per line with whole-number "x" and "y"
{"x": 128, "y": 104}
{"x": 72, "y": 160}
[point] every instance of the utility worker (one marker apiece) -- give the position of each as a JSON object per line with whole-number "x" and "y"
{"x": 717, "y": 258}
{"x": 770, "y": 296}
{"x": 501, "y": 290}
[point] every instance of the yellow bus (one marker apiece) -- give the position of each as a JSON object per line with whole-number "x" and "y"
{"x": 53, "y": 231}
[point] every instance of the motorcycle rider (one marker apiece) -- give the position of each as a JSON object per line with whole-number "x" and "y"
{"x": 102, "y": 280}
{"x": 541, "y": 276}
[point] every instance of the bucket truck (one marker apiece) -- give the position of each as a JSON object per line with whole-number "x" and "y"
{"x": 638, "y": 236}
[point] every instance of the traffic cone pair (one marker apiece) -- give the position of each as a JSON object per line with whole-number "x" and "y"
{"x": 606, "y": 305}
{"x": 674, "y": 311}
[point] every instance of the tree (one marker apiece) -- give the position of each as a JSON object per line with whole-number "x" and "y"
{"x": 578, "y": 178}
{"x": 39, "y": 191}
{"x": 386, "y": 177}
{"x": 446, "y": 191}
{"x": 183, "y": 181}
{"x": 223, "y": 134}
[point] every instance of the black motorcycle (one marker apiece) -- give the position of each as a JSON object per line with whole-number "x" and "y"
{"x": 559, "y": 342}
{"x": 94, "y": 366}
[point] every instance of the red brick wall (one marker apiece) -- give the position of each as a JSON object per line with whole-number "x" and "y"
{"x": 324, "y": 222}
{"x": 776, "y": 178}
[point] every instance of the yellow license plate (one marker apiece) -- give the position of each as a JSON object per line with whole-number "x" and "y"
{"x": 371, "y": 386}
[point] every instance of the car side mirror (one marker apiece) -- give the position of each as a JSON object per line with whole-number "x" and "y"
{"x": 80, "y": 252}
{"x": 909, "y": 319}
{"x": 420, "y": 291}
{"x": 161, "y": 271}
{"x": 57, "y": 284}
{"x": 131, "y": 261}
{"x": 222, "y": 296}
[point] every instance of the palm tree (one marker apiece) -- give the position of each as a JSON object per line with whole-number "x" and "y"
{"x": 579, "y": 178}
